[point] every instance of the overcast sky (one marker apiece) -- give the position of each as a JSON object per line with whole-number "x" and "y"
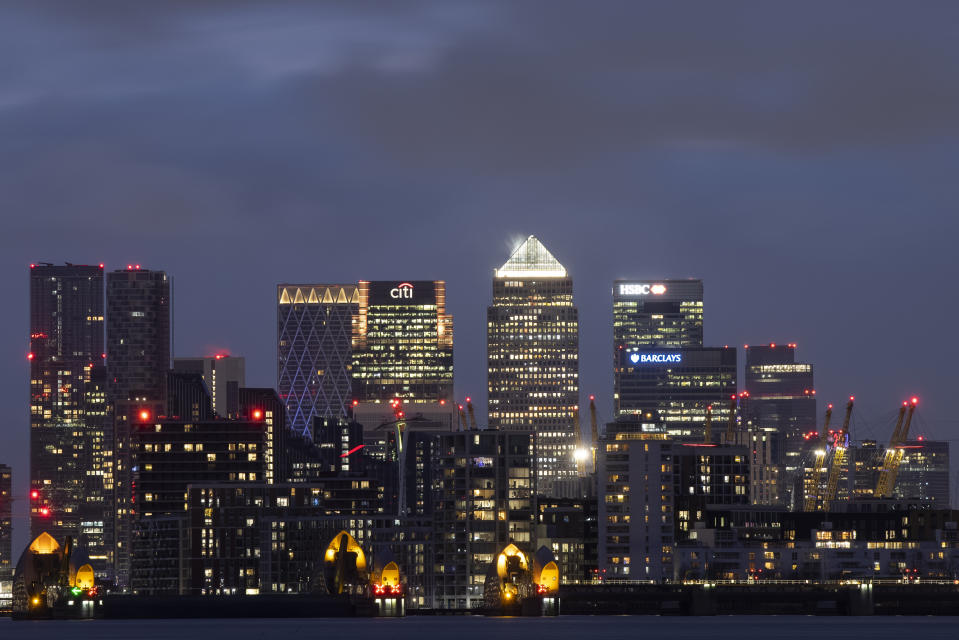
{"x": 800, "y": 158}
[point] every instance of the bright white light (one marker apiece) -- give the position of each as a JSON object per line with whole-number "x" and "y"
{"x": 581, "y": 455}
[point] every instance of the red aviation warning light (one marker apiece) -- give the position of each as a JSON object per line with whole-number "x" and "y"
{"x": 30, "y": 356}
{"x": 44, "y": 511}
{"x": 34, "y": 494}
{"x": 257, "y": 414}
{"x": 914, "y": 400}
{"x": 144, "y": 414}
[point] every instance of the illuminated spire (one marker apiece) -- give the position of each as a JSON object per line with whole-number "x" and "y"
{"x": 531, "y": 260}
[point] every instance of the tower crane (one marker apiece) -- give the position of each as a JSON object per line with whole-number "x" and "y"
{"x": 812, "y": 494}
{"x": 708, "y": 427}
{"x": 731, "y": 424}
{"x": 893, "y": 457}
{"x": 840, "y": 447}
{"x": 464, "y": 425}
{"x": 593, "y": 428}
{"x": 469, "y": 407}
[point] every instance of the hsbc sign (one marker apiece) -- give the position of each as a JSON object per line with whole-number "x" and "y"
{"x": 641, "y": 289}
{"x": 402, "y": 291}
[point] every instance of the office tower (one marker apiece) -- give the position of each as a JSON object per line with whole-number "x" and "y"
{"x": 923, "y": 475}
{"x": 223, "y": 376}
{"x": 138, "y": 360}
{"x": 533, "y": 358}
{"x": 677, "y": 383}
{"x": 314, "y": 350}
{"x": 657, "y": 313}
{"x": 403, "y": 343}
{"x": 486, "y": 499}
{"x": 781, "y": 399}
{"x": 652, "y": 488}
{"x": 6, "y": 531}
{"x": 66, "y": 445}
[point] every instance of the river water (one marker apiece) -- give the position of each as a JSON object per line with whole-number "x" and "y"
{"x": 479, "y": 628}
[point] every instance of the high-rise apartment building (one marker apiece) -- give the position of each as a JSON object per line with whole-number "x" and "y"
{"x": 223, "y": 376}
{"x": 403, "y": 343}
{"x": 657, "y": 313}
{"x": 486, "y": 499}
{"x": 314, "y": 350}
{"x": 6, "y": 531}
{"x": 67, "y": 418}
{"x": 678, "y": 384}
{"x": 138, "y": 362}
{"x": 533, "y": 358}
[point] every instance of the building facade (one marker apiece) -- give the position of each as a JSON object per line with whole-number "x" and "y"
{"x": 657, "y": 313}
{"x": 68, "y": 429}
{"x": 314, "y": 350}
{"x": 651, "y": 488}
{"x": 678, "y": 384}
{"x": 486, "y": 499}
{"x": 223, "y": 376}
{"x": 533, "y": 358}
{"x": 138, "y": 361}
{"x": 403, "y": 343}
{"x": 6, "y": 532}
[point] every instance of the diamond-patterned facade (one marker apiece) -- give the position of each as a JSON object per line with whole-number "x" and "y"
{"x": 314, "y": 351}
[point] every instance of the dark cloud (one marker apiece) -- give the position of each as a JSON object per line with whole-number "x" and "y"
{"x": 799, "y": 157}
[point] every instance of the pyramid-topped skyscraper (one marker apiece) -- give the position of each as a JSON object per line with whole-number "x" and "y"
{"x": 533, "y": 353}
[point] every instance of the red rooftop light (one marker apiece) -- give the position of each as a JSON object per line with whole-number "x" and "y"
{"x": 257, "y": 414}
{"x": 30, "y": 356}
{"x": 144, "y": 414}
{"x": 44, "y": 511}
{"x": 34, "y": 494}
{"x": 102, "y": 265}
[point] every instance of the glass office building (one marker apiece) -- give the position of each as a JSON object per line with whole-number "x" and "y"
{"x": 657, "y": 313}
{"x": 533, "y": 356}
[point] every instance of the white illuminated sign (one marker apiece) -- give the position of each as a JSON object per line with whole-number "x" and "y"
{"x": 641, "y": 289}
{"x": 403, "y": 290}
{"x": 655, "y": 358}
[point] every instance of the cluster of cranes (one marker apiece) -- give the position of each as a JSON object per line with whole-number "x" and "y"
{"x": 817, "y": 498}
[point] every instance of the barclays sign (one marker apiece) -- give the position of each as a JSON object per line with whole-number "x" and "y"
{"x": 656, "y": 358}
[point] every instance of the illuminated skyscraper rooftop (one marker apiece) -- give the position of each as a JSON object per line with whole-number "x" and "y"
{"x": 531, "y": 260}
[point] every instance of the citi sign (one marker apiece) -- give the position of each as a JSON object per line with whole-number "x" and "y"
{"x": 655, "y": 358}
{"x": 642, "y": 289}
{"x": 402, "y": 291}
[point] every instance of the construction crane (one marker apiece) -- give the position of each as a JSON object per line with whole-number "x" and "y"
{"x": 464, "y": 425}
{"x": 708, "y": 427}
{"x": 469, "y": 407}
{"x": 731, "y": 424}
{"x": 812, "y": 495}
{"x": 893, "y": 457}
{"x": 594, "y": 429}
{"x": 840, "y": 448}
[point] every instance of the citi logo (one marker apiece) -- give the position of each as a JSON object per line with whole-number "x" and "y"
{"x": 403, "y": 291}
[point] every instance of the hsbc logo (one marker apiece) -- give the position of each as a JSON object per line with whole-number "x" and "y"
{"x": 402, "y": 291}
{"x": 642, "y": 289}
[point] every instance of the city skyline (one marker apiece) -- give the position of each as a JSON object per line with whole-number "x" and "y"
{"x": 429, "y": 144}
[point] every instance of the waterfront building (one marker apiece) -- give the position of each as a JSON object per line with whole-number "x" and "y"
{"x": 568, "y": 527}
{"x": 263, "y": 405}
{"x": 69, "y": 451}
{"x": 6, "y": 532}
{"x": 652, "y": 488}
{"x": 403, "y": 343}
{"x": 187, "y": 397}
{"x": 486, "y": 499}
{"x": 657, "y": 313}
{"x": 314, "y": 350}
{"x": 223, "y": 375}
{"x": 678, "y": 384}
{"x": 138, "y": 361}
{"x": 923, "y": 475}
{"x": 533, "y": 358}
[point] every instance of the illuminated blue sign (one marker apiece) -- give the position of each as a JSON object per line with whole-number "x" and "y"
{"x": 655, "y": 358}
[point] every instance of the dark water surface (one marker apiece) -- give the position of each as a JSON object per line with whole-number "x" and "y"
{"x": 478, "y": 628}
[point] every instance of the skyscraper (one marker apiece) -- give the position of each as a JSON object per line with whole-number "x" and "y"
{"x": 314, "y": 350}
{"x": 657, "y": 313}
{"x": 138, "y": 361}
{"x": 781, "y": 400}
{"x": 223, "y": 376}
{"x": 66, "y": 445}
{"x": 403, "y": 343}
{"x": 6, "y": 531}
{"x": 533, "y": 357}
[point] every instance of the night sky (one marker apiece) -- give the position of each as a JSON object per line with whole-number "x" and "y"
{"x": 799, "y": 157}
